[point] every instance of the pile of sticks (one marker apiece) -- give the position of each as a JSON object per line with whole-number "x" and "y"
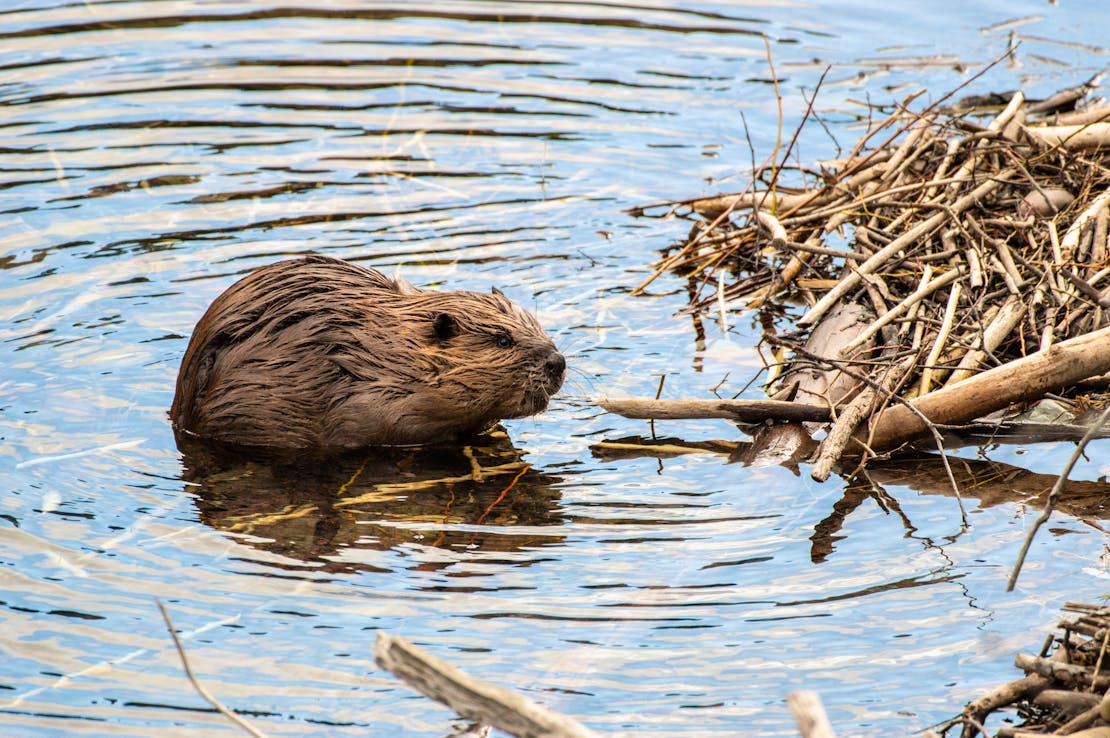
{"x": 943, "y": 245}
{"x": 1061, "y": 694}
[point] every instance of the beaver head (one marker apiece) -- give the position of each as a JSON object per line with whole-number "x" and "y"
{"x": 322, "y": 355}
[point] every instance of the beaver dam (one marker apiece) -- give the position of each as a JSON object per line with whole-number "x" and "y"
{"x": 1064, "y": 688}
{"x": 951, "y": 272}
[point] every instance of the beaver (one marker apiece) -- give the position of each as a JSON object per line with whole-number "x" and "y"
{"x": 320, "y": 355}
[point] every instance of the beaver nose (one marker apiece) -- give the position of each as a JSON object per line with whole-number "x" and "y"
{"x": 555, "y": 366}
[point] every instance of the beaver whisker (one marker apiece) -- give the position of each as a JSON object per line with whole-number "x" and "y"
{"x": 321, "y": 355}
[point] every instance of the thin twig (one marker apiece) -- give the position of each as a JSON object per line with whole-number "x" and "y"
{"x": 204, "y": 693}
{"x": 1054, "y": 494}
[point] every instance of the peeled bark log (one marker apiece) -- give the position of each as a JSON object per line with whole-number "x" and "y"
{"x": 1092, "y": 135}
{"x": 1022, "y": 380}
{"x": 743, "y": 411}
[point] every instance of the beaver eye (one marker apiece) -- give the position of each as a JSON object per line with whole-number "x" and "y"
{"x": 504, "y": 340}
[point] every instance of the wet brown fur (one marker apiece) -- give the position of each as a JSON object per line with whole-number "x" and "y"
{"x": 322, "y": 355}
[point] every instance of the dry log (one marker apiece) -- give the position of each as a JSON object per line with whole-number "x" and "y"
{"x": 743, "y": 411}
{"x": 469, "y": 697}
{"x": 1090, "y": 136}
{"x": 1083, "y": 117}
{"x": 816, "y": 384}
{"x": 1022, "y": 380}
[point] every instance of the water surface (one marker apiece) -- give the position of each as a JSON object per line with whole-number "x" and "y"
{"x": 152, "y": 152}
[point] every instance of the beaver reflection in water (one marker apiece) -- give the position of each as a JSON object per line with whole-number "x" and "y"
{"x": 321, "y": 355}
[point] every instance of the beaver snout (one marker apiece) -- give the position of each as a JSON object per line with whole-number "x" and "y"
{"x": 555, "y": 367}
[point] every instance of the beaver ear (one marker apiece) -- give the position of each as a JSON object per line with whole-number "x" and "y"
{"x": 404, "y": 287}
{"x": 445, "y": 326}
{"x": 497, "y": 292}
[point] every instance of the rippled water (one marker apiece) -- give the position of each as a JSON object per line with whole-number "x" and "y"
{"x": 151, "y": 152}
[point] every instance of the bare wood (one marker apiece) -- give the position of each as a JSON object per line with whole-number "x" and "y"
{"x": 810, "y": 714}
{"x": 469, "y": 697}
{"x": 713, "y": 206}
{"x": 1000, "y": 326}
{"x": 919, "y": 231}
{"x": 831, "y": 386}
{"x": 939, "y": 342}
{"x": 1053, "y": 669}
{"x": 659, "y": 449}
{"x": 1081, "y": 721}
{"x": 773, "y": 227}
{"x": 1103, "y": 731}
{"x": 1092, "y": 135}
{"x": 1025, "y": 379}
{"x": 1020, "y": 689}
{"x": 744, "y": 411}
{"x": 840, "y": 435}
{"x": 914, "y": 298}
{"x": 854, "y": 413}
{"x": 785, "y": 203}
{"x": 1070, "y": 241}
{"x": 1065, "y": 699}
{"x": 1083, "y": 117}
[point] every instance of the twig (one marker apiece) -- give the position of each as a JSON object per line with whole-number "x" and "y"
{"x": 913, "y": 235}
{"x": 933, "y": 358}
{"x": 1054, "y": 494}
{"x": 204, "y": 693}
{"x": 914, "y": 298}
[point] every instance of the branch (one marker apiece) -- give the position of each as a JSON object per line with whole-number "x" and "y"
{"x": 741, "y": 411}
{"x": 472, "y": 698}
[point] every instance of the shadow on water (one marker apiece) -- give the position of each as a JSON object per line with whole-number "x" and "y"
{"x": 463, "y": 498}
{"x": 991, "y": 483}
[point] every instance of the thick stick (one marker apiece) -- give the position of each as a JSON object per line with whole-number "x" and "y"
{"x": 1022, "y": 380}
{"x": 1070, "y": 241}
{"x": 744, "y": 411}
{"x": 469, "y": 697}
{"x": 854, "y": 413}
{"x": 1072, "y": 137}
{"x": 1021, "y": 689}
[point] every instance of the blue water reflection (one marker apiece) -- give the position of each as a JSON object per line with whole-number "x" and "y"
{"x": 151, "y": 152}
